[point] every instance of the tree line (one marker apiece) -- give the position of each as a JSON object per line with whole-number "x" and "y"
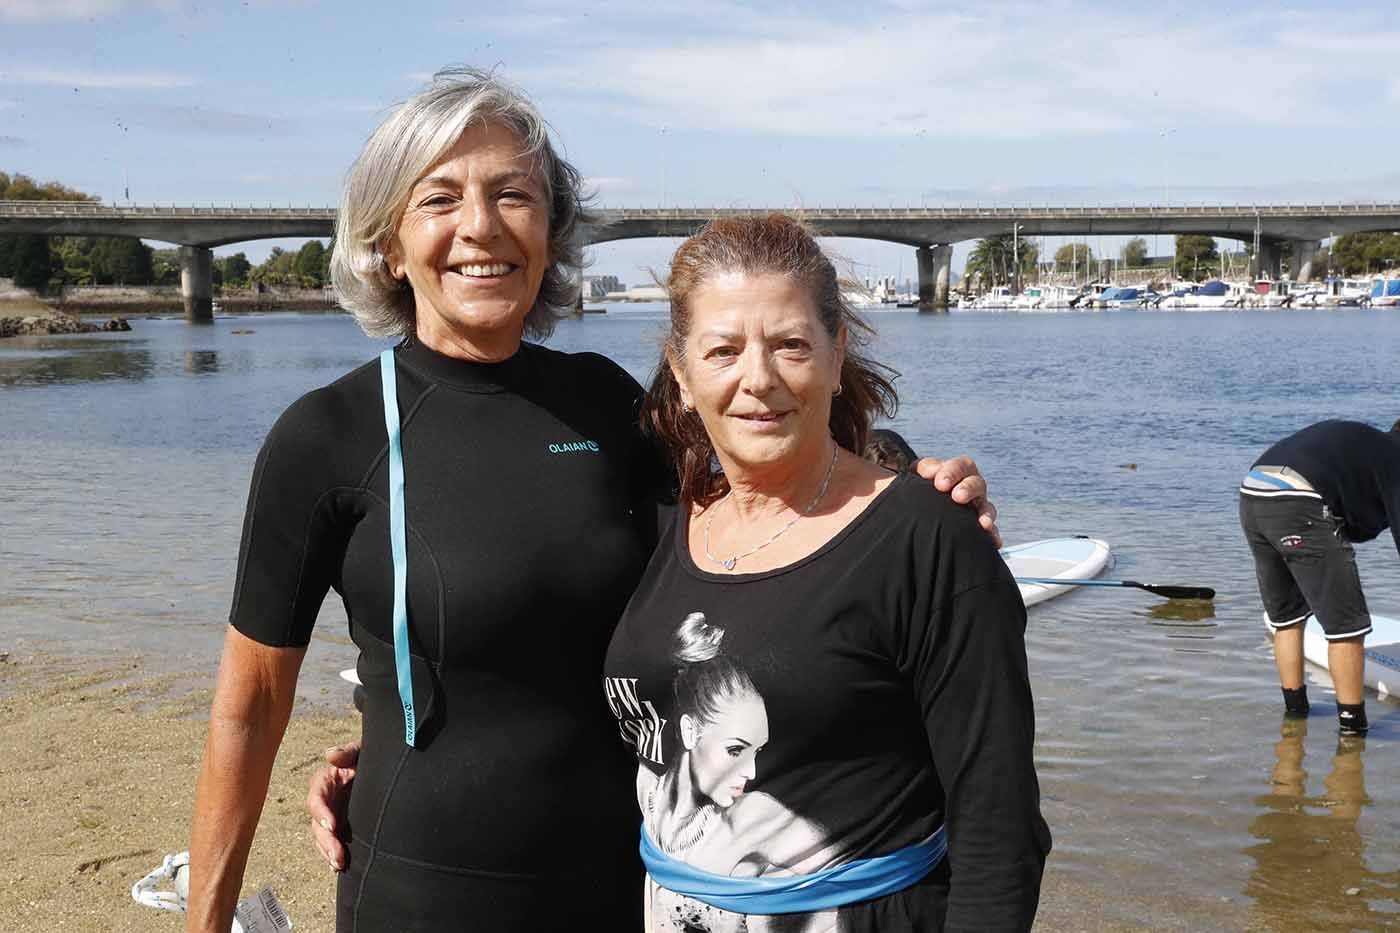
{"x": 42, "y": 262}
{"x": 994, "y": 260}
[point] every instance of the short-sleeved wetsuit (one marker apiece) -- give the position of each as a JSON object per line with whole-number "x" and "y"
{"x": 857, "y": 700}
{"x": 530, "y": 515}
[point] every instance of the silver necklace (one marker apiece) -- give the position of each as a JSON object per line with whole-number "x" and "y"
{"x": 729, "y": 562}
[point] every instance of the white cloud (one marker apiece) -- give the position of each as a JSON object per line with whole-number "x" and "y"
{"x": 605, "y": 185}
{"x": 90, "y": 79}
{"x": 35, "y": 10}
{"x": 1013, "y": 71}
{"x": 203, "y": 121}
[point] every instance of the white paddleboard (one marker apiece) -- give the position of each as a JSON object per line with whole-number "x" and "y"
{"x": 1382, "y": 673}
{"x": 1077, "y": 558}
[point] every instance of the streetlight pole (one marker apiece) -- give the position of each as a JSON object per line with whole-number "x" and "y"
{"x": 1166, "y": 167}
{"x": 663, "y": 165}
{"x": 1015, "y": 259}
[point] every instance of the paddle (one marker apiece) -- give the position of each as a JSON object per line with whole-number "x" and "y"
{"x": 1161, "y": 589}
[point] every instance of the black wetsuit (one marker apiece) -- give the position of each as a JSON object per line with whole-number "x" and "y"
{"x": 530, "y": 516}
{"x": 895, "y": 699}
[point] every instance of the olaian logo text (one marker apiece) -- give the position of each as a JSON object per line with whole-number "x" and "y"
{"x": 575, "y": 447}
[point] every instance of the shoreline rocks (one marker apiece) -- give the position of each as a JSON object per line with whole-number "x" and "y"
{"x": 55, "y": 323}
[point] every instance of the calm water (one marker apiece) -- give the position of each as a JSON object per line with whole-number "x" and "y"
{"x": 1177, "y": 796}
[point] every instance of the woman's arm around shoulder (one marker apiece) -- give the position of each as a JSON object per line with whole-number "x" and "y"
{"x": 252, "y": 702}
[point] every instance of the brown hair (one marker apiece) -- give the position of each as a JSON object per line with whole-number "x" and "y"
{"x": 774, "y": 244}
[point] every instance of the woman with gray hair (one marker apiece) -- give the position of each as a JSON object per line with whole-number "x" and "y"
{"x": 484, "y": 507}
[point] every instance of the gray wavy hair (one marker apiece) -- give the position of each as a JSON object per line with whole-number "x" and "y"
{"x": 410, "y": 141}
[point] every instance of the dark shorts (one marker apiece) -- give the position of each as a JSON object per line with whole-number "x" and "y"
{"x": 1305, "y": 565}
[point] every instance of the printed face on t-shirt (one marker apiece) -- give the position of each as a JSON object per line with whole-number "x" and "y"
{"x": 723, "y": 751}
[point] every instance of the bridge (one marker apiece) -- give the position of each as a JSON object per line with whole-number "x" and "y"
{"x": 931, "y": 231}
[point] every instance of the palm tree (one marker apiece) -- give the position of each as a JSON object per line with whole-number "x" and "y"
{"x": 992, "y": 259}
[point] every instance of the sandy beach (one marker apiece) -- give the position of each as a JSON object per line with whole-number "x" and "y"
{"x": 98, "y": 760}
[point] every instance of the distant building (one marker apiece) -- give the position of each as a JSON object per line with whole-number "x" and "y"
{"x": 598, "y": 286}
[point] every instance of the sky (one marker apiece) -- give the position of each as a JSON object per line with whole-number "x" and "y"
{"x": 679, "y": 102}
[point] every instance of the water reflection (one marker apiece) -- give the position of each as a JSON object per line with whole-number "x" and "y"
{"x": 113, "y": 361}
{"x": 1310, "y": 866}
{"x": 201, "y": 362}
{"x": 1184, "y": 610}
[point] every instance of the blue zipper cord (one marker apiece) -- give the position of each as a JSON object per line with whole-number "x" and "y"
{"x": 847, "y": 883}
{"x": 398, "y": 543}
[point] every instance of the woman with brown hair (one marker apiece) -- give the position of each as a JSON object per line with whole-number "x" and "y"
{"x": 483, "y": 506}
{"x": 875, "y": 623}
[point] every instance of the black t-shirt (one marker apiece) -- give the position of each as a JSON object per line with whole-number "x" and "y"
{"x": 1354, "y": 467}
{"x": 530, "y": 503}
{"x": 855, "y": 701}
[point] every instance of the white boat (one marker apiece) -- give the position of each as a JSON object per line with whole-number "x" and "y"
{"x": 1385, "y": 291}
{"x": 1348, "y": 291}
{"x": 1045, "y": 297}
{"x": 998, "y": 297}
{"x": 1119, "y": 297}
{"x": 1271, "y": 294}
{"x": 1206, "y": 296}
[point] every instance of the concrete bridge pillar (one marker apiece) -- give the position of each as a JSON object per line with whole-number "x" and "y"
{"x": 1268, "y": 261}
{"x": 935, "y": 271}
{"x": 942, "y": 274}
{"x": 1300, "y": 266}
{"x": 197, "y": 283}
{"x": 926, "y": 284}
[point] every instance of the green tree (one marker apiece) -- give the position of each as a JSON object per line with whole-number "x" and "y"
{"x": 121, "y": 260}
{"x": 235, "y": 268}
{"x": 1134, "y": 253}
{"x": 276, "y": 269}
{"x": 20, "y": 187}
{"x": 32, "y": 261}
{"x": 1074, "y": 256}
{"x": 1361, "y": 253}
{"x": 994, "y": 259}
{"x": 74, "y": 254}
{"x": 310, "y": 263}
{"x": 20, "y": 256}
{"x": 1196, "y": 255}
{"x": 165, "y": 267}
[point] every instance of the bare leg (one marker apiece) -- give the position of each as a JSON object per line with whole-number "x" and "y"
{"x": 1346, "y": 662}
{"x": 1288, "y": 655}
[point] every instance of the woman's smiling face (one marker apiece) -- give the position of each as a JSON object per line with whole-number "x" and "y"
{"x": 473, "y": 242}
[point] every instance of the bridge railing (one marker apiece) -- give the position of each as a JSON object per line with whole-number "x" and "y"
{"x": 144, "y": 212}
{"x": 1009, "y": 211}
{"x": 91, "y": 209}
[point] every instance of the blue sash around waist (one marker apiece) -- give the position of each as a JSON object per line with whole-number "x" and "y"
{"x": 849, "y": 883}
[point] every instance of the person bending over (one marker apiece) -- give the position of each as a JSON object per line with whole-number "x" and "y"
{"x": 1303, "y": 504}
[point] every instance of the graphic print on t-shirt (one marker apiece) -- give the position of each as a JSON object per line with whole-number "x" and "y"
{"x": 696, "y": 806}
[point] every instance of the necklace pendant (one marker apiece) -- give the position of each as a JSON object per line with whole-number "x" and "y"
{"x": 730, "y": 562}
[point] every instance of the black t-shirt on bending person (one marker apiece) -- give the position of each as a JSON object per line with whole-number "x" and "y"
{"x": 855, "y": 701}
{"x": 1354, "y": 467}
{"x": 530, "y": 503}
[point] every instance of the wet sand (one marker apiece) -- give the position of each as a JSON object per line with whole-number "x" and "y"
{"x": 98, "y": 760}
